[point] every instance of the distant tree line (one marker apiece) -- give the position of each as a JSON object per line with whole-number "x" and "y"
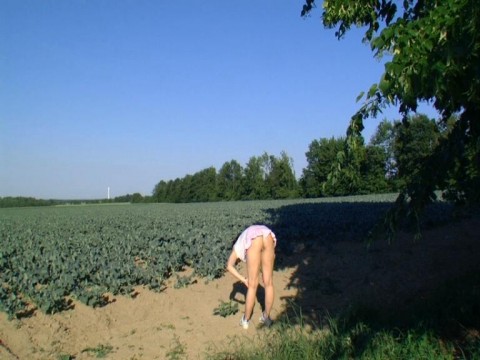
{"x": 20, "y": 201}
{"x": 385, "y": 164}
{"x": 263, "y": 177}
{"x": 131, "y": 198}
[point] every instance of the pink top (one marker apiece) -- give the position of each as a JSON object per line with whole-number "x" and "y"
{"x": 244, "y": 241}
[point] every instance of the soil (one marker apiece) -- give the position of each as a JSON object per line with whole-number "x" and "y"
{"x": 179, "y": 323}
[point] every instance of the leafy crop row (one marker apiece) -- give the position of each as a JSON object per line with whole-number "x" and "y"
{"x": 49, "y": 255}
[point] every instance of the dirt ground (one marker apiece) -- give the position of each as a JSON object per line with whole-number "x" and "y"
{"x": 179, "y": 323}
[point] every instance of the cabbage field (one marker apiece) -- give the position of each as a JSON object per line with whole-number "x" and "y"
{"x": 49, "y": 255}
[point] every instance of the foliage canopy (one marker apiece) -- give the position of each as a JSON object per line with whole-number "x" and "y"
{"x": 433, "y": 49}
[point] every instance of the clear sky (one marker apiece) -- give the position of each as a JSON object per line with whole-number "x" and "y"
{"x": 125, "y": 93}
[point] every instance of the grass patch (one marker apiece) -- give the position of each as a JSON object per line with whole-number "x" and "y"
{"x": 100, "y": 352}
{"x": 226, "y": 308}
{"x": 65, "y": 357}
{"x": 177, "y": 350}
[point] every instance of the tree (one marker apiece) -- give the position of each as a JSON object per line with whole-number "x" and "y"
{"x": 230, "y": 181}
{"x": 320, "y": 156}
{"x": 434, "y": 49}
{"x": 253, "y": 180}
{"x": 202, "y": 186}
{"x": 367, "y": 176}
{"x": 175, "y": 191}
{"x": 345, "y": 177}
{"x": 405, "y": 144}
{"x": 137, "y": 198}
{"x": 281, "y": 177}
{"x": 415, "y": 140}
{"x": 160, "y": 191}
{"x": 384, "y": 138}
{"x": 374, "y": 177}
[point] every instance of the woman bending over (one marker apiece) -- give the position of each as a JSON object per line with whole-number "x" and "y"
{"x": 256, "y": 247}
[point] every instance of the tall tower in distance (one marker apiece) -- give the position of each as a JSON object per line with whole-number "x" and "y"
{"x": 108, "y": 193}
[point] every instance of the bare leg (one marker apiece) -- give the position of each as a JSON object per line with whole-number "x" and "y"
{"x": 254, "y": 259}
{"x": 268, "y": 259}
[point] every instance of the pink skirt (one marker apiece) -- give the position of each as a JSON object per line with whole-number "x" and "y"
{"x": 244, "y": 241}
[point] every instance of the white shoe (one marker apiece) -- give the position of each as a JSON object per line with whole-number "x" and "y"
{"x": 265, "y": 320}
{"x": 244, "y": 323}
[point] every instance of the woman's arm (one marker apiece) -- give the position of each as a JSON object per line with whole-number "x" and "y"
{"x": 231, "y": 268}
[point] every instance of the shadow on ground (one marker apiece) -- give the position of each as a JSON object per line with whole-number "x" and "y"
{"x": 239, "y": 294}
{"x": 337, "y": 272}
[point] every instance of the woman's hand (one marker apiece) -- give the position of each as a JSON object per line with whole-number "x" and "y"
{"x": 231, "y": 268}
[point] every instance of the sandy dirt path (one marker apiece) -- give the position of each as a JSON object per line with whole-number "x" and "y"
{"x": 150, "y": 326}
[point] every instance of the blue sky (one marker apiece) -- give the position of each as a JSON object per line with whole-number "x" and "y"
{"x": 125, "y": 93}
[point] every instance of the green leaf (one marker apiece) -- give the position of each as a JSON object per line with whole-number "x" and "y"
{"x": 360, "y": 96}
{"x": 372, "y": 91}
